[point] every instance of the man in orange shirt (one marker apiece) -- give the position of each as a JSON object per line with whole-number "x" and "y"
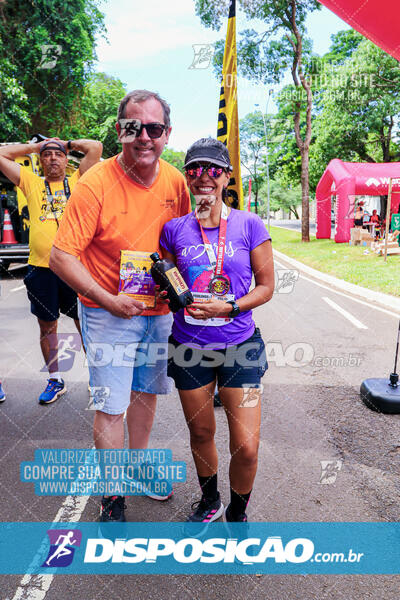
{"x": 122, "y": 204}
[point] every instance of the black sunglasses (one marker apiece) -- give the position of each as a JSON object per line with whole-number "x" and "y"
{"x": 134, "y": 127}
{"x": 211, "y": 170}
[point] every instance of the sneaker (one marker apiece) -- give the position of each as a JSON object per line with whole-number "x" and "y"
{"x": 229, "y": 517}
{"x": 206, "y": 511}
{"x": 112, "y": 518}
{"x": 112, "y": 509}
{"x": 161, "y": 488}
{"x": 53, "y": 390}
{"x": 2, "y": 394}
{"x": 238, "y": 528}
{"x": 160, "y": 497}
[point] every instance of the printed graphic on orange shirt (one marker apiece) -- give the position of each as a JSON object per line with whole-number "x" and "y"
{"x": 168, "y": 202}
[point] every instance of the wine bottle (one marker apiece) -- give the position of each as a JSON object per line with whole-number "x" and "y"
{"x": 167, "y": 276}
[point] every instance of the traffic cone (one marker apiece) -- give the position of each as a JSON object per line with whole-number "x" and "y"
{"x": 8, "y": 231}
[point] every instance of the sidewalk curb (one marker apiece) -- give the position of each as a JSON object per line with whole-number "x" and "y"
{"x": 384, "y": 300}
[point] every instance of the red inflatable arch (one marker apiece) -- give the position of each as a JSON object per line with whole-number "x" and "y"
{"x": 346, "y": 180}
{"x": 373, "y": 18}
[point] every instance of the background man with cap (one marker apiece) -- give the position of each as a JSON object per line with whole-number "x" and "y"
{"x": 47, "y": 198}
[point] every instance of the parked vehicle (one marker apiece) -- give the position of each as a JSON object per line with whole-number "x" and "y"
{"x": 13, "y": 200}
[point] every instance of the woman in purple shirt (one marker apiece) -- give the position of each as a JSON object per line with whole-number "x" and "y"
{"x": 217, "y": 250}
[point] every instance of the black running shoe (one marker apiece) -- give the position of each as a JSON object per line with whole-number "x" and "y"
{"x": 238, "y": 528}
{"x": 112, "y": 509}
{"x": 230, "y": 518}
{"x": 206, "y": 511}
{"x": 112, "y": 518}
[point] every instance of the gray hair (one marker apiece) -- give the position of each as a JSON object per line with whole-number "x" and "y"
{"x": 141, "y": 96}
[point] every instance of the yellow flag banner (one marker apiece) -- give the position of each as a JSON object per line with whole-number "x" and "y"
{"x": 228, "y": 121}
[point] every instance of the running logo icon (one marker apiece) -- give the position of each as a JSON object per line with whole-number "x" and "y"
{"x": 251, "y": 396}
{"x": 50, "y": 55}
{"x": 203, "y": 54}
{"x": 63, "y": 543}
{"x": 329, "y": 471}
{"x": 285, "y": 280}
{"x": 63, "y": 347}
{"x": 98, "y": 397}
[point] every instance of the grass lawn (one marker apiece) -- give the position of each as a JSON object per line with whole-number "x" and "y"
{"x": 341, "y": 260}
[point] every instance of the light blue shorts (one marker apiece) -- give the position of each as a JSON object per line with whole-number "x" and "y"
{"x": 124, "y": 355}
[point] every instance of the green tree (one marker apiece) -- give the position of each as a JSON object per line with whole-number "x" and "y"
{"x": 285, "y": 159}
{"x": 267, "y": 56}
{"x": 51, "y": 47}
{"x": 252, "y": 151}
{"x": 13, "y": 101}
{"x": 283, "y": 156}
{"x": 175, "y": 158}
{"x": 95, "y": 112}
{"x": 359, "y": 108}
{"x": 344, "y": 43}
{"x": 281, "y": 197}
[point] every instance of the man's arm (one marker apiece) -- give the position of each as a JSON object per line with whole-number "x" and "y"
{"x": 75, "y": 274}
{"x": 8, "y": 154}
{"x": 92, "y": 150}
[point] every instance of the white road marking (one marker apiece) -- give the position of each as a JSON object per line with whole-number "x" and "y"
{"x": 334, "y": 291}
{"x": 345, "y": 313}
{"x": 20, "y": 287}
{"x": 35, "y": 586}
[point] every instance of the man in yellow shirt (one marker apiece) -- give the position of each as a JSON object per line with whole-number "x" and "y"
{"x": 47, "y": 198}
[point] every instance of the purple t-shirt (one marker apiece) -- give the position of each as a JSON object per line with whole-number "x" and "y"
{"x": 182, "y": 238}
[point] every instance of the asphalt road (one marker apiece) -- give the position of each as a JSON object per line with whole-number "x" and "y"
{"x": 311, "y": 412}
{"x": 295, "y": 224}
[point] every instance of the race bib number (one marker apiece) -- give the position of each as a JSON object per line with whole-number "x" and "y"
{"x": 214, "y": 321}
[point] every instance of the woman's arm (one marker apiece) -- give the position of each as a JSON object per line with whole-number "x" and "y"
{"x": 168, "y": 255}
{"x": 262, "y": 264}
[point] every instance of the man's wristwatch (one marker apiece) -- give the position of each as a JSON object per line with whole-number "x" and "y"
{"x": 235, "y": 309}
{"x": 69, "y": 144}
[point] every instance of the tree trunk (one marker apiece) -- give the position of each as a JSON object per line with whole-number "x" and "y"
{"x": 386, "y": 139}
{"x": 303, "y": 145}
{"x": 305, "y": 192}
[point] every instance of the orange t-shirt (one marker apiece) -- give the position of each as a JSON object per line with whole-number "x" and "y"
{"x": 108, "y": 212}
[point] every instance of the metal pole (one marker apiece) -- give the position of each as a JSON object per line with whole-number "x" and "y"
{"x": 265, "y": 135}
{"x": 388, "y": 207}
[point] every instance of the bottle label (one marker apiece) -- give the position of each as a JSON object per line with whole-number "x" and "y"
{"x": 177, "y": 281}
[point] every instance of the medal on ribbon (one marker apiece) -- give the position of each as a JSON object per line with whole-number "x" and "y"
{"x": 219, "y": 285}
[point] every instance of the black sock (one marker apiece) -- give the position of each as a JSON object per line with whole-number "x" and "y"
{"x": 209, "y": 486}
{"x": 238, "y": 502}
